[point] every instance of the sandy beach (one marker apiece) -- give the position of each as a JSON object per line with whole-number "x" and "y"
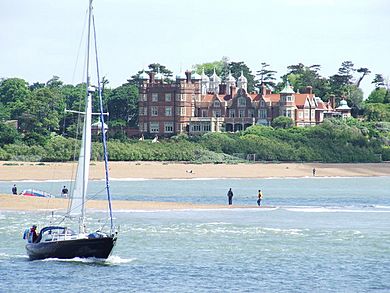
{"x": 16, "y": 171}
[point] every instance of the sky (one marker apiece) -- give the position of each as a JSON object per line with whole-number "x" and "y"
{"x": 41, "y": 38}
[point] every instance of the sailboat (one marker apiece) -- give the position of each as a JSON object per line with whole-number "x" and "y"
{"x": 55, "y": 241}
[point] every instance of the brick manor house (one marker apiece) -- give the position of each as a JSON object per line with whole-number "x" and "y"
{"x": 196, "y": 104}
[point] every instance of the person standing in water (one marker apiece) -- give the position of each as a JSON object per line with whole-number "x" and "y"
{"x": 259, "y": 197}
{"x": 14, "y": 190}
{"x": 230, "y": 196}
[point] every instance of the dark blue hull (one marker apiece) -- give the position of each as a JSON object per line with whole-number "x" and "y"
{"x": 67, "y": 249}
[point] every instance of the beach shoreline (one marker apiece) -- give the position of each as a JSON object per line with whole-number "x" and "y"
{"x": 19, "y": 171}
{"x": 14, "y": 172}
{"x": 10, "y": 202}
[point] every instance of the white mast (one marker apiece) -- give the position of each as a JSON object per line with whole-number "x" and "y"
{"x": 77, "y": 206}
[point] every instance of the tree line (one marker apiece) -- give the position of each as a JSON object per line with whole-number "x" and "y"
{"x": 45, "y": 131}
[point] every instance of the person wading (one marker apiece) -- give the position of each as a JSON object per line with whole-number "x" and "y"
{"x": 230, "y": 196}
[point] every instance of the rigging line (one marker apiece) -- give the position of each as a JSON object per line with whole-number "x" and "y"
{"x": 102, "y": 123}
{"x": 80, "y": 44}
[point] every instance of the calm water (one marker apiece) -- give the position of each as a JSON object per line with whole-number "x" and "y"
{"x": 319, "y": 235}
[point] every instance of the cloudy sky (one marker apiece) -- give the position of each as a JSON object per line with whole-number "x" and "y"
{"x": 42, "y": 38}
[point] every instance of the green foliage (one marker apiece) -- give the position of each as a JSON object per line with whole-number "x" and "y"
{"x": 377, "y": 95}
{"x": 8, "y": 134}
{"x": 377, "y": 112}
{"x": 282, "y": 122}
{"x": 123, "y": 104}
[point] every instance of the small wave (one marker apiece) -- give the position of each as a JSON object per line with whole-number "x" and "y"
{"x": 115, "y": 260}
{"x": 310, "y": 209}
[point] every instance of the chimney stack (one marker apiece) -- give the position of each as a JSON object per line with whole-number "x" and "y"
{"x": 151, "y": 75}
{"x": 222, "y": 89}
{"x": 309, "y": 90}
{"x": 188, "y": 75}
{"x": 332, "y": 100}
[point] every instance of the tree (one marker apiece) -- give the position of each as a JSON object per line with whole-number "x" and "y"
{"x": 154, "y": 67}
{"x": 377, "y": 95}
{"x": 282, "y": 122}
{"x": 266, "y": 76}
{"x": 354, "y": 96}
{"x": 300, "y": 76}
{"x": 221, "y": 67}
{"x": 123, "y": 105}
{"x": 13, "y": 91}
{"x": 42, "y": 113}
{"x": 8, "y": 134}
{"x": 339, "y": 81}
{"x": 54, "y": 82}
{"x": 377, "y": 112}
{"x": 379, "y": 81}
{"x": 364, "y": 72}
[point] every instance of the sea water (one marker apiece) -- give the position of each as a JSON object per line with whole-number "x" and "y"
{"x": 312, "y": 235}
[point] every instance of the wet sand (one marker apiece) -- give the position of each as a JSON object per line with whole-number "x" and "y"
{"x": 28, "y": 203}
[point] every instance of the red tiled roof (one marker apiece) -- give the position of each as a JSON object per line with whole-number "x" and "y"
{"x": 300, "y": 99}
{"x": 272, "y": 97}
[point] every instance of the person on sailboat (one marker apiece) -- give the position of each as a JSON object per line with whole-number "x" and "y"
{"x": 31, "y": 234}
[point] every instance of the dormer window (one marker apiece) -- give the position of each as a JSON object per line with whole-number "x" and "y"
{"x": 262, "y": 104}
{"x": 217, "y": 104}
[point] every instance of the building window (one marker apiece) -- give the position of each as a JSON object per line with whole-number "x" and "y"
{"x": 145, "y": 126}
{"x": 241, "y": 102}
{"x": 289, "y": 98}
{"x": 168, "y": 127}
{"x": 241, "y": 113}
{"x": 168, "y": 97}
{"x": 232, "y": 113}
{"x": 195, "y": 127}
{"x": 182, "y": 111}
{"x": 216, "y": 113}
{"x": 141, "y": 111}
{"x": 262, "y": 113}
{"x": 154, "y": 127}
{"x": 168, "y": 111}
{"x": 204, "y": 113}
{"x": 306, "y": 114}
{"x": 251, "y": 113}
{"x": 300, "y": 114}
{"x": 206, "y": 127}
{"x": 154, "y": 110}
{"x": 262, "y": 104}
{"x": 143, "y": 97}
{"x": 217, "y": 104}
{"x": 154, "y": 97}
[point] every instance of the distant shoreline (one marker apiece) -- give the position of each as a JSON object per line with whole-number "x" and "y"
{"x": 19, "y": 171}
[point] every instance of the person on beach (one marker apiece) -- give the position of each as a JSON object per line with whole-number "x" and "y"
{"x": 14, "y": 190}
{"x": 230, "y": 196}
{"x": 64, "y": 192}
{"x": 314, "y": 171}
{"x": 259, "y": 197}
